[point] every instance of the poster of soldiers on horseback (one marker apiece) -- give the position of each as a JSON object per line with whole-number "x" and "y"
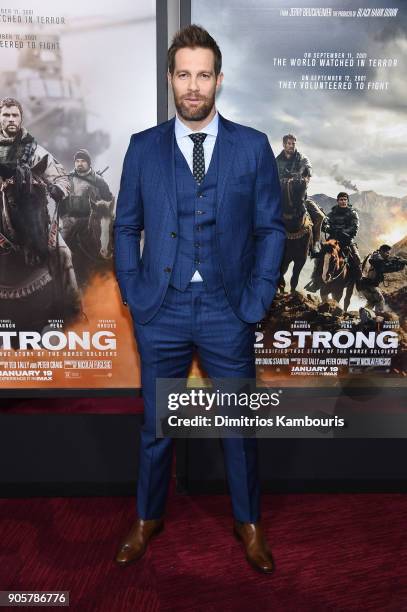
{"x": 62, "y": 322}
{"x": 340, "y": 310}
{"x": 327, "y": 87}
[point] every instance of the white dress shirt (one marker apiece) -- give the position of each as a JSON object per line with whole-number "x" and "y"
{"x": 186, "y": 146}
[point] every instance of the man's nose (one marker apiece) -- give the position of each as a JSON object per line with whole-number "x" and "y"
{"x": 193, "y": 84}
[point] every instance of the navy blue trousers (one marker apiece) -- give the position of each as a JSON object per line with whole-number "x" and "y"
{"x": 187, "y": 320}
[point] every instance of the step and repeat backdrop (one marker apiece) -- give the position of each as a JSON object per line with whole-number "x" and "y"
{"x": 327, "y": 85}
{"x": 76, "y": 79}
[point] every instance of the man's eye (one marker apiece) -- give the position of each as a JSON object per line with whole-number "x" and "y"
{"x": 182, "y": 75}
{"x": 205, "y": 76}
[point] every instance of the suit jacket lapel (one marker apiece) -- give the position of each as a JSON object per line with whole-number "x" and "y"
{"x": 226, "y": 152}
{"x": 167, "y": 162}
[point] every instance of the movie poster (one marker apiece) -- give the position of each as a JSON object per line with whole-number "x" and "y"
{"x": 79, "y": 79}
{"x": 332, "y": 79}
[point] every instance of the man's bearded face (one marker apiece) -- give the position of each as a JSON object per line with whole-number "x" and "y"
{"x": 10, "y": 120}
{"x": 81, "y": 165}
{"x": 289, "y": 147}
{"x": 194, "y": 83}
{"x": 343, "y": 202}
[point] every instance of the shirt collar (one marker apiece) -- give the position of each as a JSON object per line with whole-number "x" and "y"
{"x": 181, "y": 130}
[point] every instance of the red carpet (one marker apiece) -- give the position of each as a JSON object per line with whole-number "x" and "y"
{"x": 332, "y": 552}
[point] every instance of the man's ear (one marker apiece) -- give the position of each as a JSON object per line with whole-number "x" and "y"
{"x": 219, "y": 80}
{"x": 169, "y": 78}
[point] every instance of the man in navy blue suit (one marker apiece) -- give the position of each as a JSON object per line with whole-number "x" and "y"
{"x": 207, "y": 195}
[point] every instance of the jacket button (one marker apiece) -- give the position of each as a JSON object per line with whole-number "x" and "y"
{"x": 167, "y": 269}
{"x": 173, "y": 235}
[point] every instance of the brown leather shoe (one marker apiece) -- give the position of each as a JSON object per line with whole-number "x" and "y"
{"x": 257, "y": 551}
{"x": 135, "y": 545}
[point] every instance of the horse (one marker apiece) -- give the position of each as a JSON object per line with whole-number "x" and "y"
{"x": 298, "y": 226}
{"x": 35, "y": 281}
{"x": 335, "y": 273}
{"x": 90, "y": 240}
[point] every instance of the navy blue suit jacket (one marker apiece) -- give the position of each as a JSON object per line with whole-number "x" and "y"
{"x": 250, "y": 232}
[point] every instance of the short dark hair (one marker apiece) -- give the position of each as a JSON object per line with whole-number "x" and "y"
{"x": 342, "y": 194}
{"x": 385, "y": 247}
{"x": 289, "y": 137}
{"x": 191, "y": 37}
{"x": 11, "y": 102}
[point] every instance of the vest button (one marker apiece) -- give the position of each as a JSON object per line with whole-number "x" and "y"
{"x": 167, "y": 269}
{"x": 173, "y": 235}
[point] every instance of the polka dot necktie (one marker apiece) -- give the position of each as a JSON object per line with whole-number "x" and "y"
{"x": 198, "y": 157}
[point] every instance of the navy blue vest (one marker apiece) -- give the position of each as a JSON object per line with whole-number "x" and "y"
{"x": 196, "y": 205}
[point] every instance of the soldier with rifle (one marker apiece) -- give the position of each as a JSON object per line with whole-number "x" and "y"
{"x": 378, "y": 264}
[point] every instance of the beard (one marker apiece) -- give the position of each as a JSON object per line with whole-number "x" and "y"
{"x": 82, "y": 170}
{"x": 10, "y": 133}
{"x": 199, "y": 113}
